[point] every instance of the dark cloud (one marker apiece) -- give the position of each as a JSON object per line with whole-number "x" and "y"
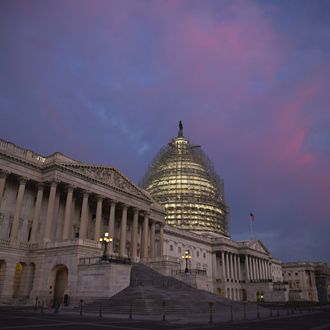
{"x": 107, "y": 82}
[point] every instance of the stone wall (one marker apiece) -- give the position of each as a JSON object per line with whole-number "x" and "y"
{"x": 102, "y": 280}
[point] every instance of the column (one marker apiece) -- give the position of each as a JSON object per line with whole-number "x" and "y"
{"x": 18, "y": 208}
{"x": 145, "y": 236}
{"x": 231, "y": 266}
{"x": 67, "y": 214}
{"x": 84, "y": 216}
{"x": 123, "y": 225}
{"x": 36, "y": 216}
{"x": 223, "y": 265}
{"x": 134, "y": 233}
{"x": 214, "y": 267}
{"x": 251, "y": 268}
{"x": 112, "y": 225}
{"x": 152, "y": 239}
{"x": 97, "y": 231}
{"x": 3, "y": 177}
{"x": 255, "y": 276}
{"x": 247, "y": 270}
{"x": 227, "y": 265}
{"x": 239, "y": 268}
{"x": 263, "y": 269}
{"x": 161, "y": 240}
{"x": 50, "y": 211}
{"x": 257, "y": 269}
{"x": 234, "y": 266}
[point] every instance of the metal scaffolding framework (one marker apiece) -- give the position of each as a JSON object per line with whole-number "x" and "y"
{"x": 182, "y": 178}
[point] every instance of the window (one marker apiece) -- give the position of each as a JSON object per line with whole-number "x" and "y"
{"x": 171, "y": 247}
{"x": 204, "y": 255}
{"x": 197, "y": 253}
{"x": 179, "y": 249}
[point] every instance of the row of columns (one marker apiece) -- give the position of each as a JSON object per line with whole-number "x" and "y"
{"x": 231, "y": 268}
{"x": 257, "y": 268}
{"x": 83, "y": 219}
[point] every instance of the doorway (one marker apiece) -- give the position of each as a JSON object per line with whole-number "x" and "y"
{"x": 61, "y": 283}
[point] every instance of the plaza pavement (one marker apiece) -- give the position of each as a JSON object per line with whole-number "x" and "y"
{"x": 11, "y": 318}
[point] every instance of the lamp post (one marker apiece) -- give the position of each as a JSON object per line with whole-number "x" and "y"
{"x": 105, "y": 240}
{"x": 186, "y": 256}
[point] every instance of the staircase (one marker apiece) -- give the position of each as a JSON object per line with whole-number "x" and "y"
{"x": 150, "y": 293}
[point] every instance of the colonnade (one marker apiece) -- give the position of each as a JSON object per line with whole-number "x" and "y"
{"x": 231, "y": 266}
{"x": 148, "y": 224}
{"x": 257, "y": 269}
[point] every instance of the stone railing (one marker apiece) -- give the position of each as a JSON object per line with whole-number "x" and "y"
{"x": 17, "y": 245}
{"x": 14, "y": 149}
{"x": 73, "y": 242}
{"x": 201, "y": 272}
{"x": 4, "y": 242}
{"x": 24, "y": 245}
{"x": 104, "y": 259}
{"x": 162, "y": 259}
{"x": 48, "y": 245}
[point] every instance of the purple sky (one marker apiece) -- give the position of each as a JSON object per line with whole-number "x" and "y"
{"x": 107, "y": 82}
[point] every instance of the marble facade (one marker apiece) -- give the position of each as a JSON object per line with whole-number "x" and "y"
{"x": 237, "y": 270}
{"x": 54, "y": 209}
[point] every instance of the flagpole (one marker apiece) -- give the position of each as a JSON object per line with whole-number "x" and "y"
{"x": 251, "y": 228}
{"x": 251, "y": 225}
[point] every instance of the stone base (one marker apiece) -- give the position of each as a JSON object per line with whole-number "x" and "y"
{"x": 102, "y": 280}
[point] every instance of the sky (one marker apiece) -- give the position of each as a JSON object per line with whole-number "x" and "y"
{"x": 106, "y": 82}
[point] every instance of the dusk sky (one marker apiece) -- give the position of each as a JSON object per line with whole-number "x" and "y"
{"x": 106, "y": 82}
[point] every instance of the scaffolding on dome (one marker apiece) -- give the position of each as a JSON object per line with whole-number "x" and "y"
{"x": 182, "y": 178}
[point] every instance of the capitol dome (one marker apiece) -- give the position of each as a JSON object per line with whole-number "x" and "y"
{"x": 183, "y": 180}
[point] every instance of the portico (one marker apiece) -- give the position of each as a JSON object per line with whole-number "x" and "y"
{"x": 58, "y": 204}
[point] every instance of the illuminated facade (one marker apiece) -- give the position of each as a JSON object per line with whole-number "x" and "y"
{"x": 183, "y": 180}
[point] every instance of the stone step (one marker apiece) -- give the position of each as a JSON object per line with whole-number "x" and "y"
{"x": 147, "y": 291}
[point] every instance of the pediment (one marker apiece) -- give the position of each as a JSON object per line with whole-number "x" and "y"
{"x": 108, "y": 176}
{"x": 257, "y": 245}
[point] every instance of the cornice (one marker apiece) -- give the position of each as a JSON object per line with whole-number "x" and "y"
{"x": 22, "y": 160}
{"x": 168, "y": 229}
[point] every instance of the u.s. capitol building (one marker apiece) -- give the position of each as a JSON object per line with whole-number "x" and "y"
{"x": 54, "y": 210}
